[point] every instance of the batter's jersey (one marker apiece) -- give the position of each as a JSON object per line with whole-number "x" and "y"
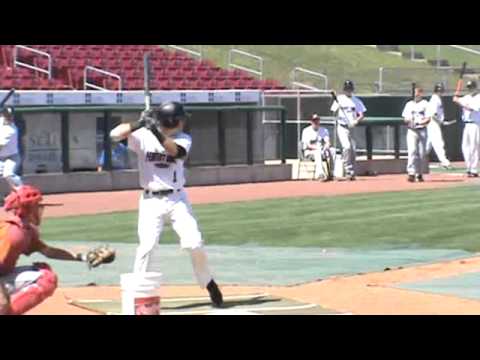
{"x": 473, "y": 102}
{"x": 352, "y": 107}
{"x": 310, "y": 136}
{"x": 435, "y": 108}
{"x": 416, "y": 111}
{"x": 158, "y": 171}
{"x": 16, "y": 238}
{"x": 8, "y": 139}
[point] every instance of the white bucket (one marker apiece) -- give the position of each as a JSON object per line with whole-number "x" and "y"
{"x": 141, "y": 293}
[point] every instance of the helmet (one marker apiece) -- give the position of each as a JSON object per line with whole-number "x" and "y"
{"x": 348, "y": 85}
{"x": 471, "y": 85}
{"x": 315, "y": 117}
{"x": 169, "y": 114}
{"x": 439, "y": 87}
{"x": 22, "y": 200}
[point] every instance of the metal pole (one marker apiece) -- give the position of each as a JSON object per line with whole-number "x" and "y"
{"x": 380, "y": 80}
{"x": 438, "y": 55}
{"x": 412, "y": 52}
{"x": 284, "y": 135}
{"x": 299, "y": 114}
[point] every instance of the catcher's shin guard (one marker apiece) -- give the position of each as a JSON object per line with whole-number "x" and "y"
{"x": 34, "y": 294}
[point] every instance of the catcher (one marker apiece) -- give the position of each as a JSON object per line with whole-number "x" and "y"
{"x": 22, "y": 288}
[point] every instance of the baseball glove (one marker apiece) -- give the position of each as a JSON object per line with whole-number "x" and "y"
{"x": 100, "y": 255}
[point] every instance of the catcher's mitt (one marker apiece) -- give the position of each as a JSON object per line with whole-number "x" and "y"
{"x": 100, "y": 255}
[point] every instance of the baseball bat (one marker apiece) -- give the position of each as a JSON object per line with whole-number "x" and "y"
{"x": 460, "y": 80}
{"x": 146, "y": 78}
{"x": 7, "y": 97}
{"x": 414, "y": 86}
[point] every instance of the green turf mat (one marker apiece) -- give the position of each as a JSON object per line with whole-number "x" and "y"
{"x": 254, "y": 304}
{"x": 249, "y": 265}
{"x": 464, "y": 286}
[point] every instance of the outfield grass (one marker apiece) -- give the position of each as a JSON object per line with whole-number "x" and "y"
{"x": 441, "y": 219}
{"x": 455, "y": 57}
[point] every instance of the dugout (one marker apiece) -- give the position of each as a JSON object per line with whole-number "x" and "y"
{"x": 61, "y": 146}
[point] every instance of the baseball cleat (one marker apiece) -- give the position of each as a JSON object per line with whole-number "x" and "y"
{"x": 411, "y": 178}
{"x": 419, "y": 178}
{"x": 447, "y": 167}
{"x": 472, "y": 175}
{"x": 351, "y": 177}
{"x": 215, "y": 294}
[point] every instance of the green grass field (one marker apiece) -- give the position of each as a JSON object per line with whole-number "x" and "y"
{"x": 436, "y": 219}
{"x": 338, "y": 62}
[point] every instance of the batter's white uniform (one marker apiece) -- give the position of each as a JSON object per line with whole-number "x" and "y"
{"x": 434, "y": 129}
{"x": 352, "y": 108}
{"x": 160, "y": 172}
{"x": 471, "y": 132}
{"x": 416, "y": 136}
{"x": 318, "y": 138}
{"x": 9, "y": 154}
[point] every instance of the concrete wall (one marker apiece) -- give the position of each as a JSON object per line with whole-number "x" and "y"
{"x": 128, "y": 179}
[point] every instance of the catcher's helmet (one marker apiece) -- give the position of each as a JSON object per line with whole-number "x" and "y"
{"x": 21, "y": 200}
{"x": 169, "y": 114}
{"x": 348, "y": 85}
{"x": 439, "y": 87}
{"x": 471, "y": 85}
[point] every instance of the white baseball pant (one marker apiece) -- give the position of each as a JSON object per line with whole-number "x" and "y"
{"x": 471, "y": 146}
{"x": 153, "y": 210}
{"x": 435, "y": 141}
{"x": 8, "y": 170}
{"x": 348, "y": 149}
{"x": 318, "y": 158}
{"x": 416, "y": 144}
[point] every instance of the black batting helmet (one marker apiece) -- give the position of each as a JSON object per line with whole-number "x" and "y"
{"x": 169, "y": 114}
{"x": 471, "y": 85}
{"x": 439, "y": 87}
{"x": 348, "y": 85}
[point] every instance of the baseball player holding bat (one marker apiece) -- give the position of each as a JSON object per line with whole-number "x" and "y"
{"x": 162, "y": 147}
{"x": 470, "y": 105}
{"x": 22, "y": 288}
{"x": 316, "y": 146}
{"x": 349, "y": 110}
{"x": 434, "y": 128}
{"x": 416, "y": 117}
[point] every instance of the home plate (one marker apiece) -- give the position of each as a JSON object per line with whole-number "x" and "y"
{"x": 231, "y": 312}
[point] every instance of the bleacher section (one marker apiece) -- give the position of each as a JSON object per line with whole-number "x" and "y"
{"x": 171, "y": 70}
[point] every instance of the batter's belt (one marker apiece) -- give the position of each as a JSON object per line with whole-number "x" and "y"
{"x": 161, "y": 192}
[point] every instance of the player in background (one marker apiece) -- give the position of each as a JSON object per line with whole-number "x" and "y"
{"x": 416, "y": 117}
{"x": 470, "y": 104}
{"x": 162, "y": 147}
{"x": 434, "y": 128}
{"x": 349, "y": 110}
{"x": 316, "y": 146}
{"x": 9, "y": 152}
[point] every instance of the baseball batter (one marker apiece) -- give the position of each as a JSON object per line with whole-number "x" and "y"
{"x": 349, "y": 110}
{"x": 23, "y": 288}
{"x": 316, "y": 146}
{"x": 162, "y": 147}
{"x": 416, "y": 117}
{"x": 470, "y": 104}
{"x": 9, "y": 154}
{"x": 434, "y": 128}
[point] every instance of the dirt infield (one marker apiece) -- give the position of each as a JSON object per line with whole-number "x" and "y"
{"x": 361, "y": 294}
{"x": 369, "y": 294}
{"x": 106, "y": 202}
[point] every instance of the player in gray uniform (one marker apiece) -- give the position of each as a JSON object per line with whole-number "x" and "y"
{"x": 350, "y": 110}
{"x": 9, "y": 153}
{"x": 415, "y": 115}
